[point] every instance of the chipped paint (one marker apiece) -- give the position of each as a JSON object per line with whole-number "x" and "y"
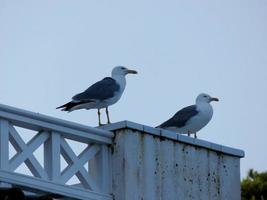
{"x": 149, "y": 168}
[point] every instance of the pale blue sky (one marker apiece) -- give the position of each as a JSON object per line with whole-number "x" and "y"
{"x": 51, "y": 50}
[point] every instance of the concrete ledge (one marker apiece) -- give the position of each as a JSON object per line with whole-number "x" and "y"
{"x": 173, "y": 136}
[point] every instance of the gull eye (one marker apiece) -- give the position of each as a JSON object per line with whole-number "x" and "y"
{"x": 205, "y": 96}
{"x": 123, "y": 68}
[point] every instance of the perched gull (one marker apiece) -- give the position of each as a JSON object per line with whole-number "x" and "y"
{"x": 191, "y": 119}
{"x": 101, "y": 94}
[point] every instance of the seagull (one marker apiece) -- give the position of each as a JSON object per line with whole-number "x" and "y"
{"x": 191, "y": 119}
{"x": 102, "y": 94}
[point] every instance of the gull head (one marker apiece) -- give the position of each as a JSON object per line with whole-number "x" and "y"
{"x": 205, "y": 98}
{"x": 122, "y": 71}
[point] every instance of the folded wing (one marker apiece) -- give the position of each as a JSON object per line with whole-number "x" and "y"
{"x": 181, "y": 117}
{"x": 101, "y": 90}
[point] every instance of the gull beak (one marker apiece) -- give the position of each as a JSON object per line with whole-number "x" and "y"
{"x": 129, "y": 71}
{"x": 214, "y": 99}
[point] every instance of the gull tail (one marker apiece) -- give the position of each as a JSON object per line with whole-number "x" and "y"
{"x": 68, "y": 106}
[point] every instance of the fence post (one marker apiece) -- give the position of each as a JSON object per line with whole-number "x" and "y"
{"x": 52, "y": 156}
{"x": 4, "y": 143}
{"x": 100, "y": 169}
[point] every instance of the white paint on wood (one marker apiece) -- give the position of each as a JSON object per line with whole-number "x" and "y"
{"x": 52, "y": 156}
{"x": 8, "y": 112}
{"x": 100, "y": 168}
{"x": 25, "y": 152}
{"x": 148, "y": 166}
{"x": 82, "y": 174}
{"x": 131, "y": 166}
{"x": 70, "y": 130}
{"x": 143, "y": 162}
{"x": 51, "y": 133}
{"x": 4, "y": 139}
{"x": 36, "y": 184}
{"x": 173, "y": 136}
{"x": 167, "y": 169}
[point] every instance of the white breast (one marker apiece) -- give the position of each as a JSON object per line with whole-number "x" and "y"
{"x": 122, "y": 83}
{"x": 202, "y": 118}
{"x": 197, "y": 122}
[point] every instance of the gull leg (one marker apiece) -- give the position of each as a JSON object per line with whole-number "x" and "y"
{"x": 188, "y": 133}
{"x": 107, "y": 115}
{"x": 195, "y": 135}
{"x": 99, "y": 118}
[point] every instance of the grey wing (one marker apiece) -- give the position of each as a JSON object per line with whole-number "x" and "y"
{"x": 101, "y": 90}
{"x": 181, "y": 117}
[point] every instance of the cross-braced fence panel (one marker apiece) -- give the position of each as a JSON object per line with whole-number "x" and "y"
{"x": 91, "y": 166}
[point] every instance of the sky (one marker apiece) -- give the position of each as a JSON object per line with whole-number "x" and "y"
{"x": 51, "y": 50}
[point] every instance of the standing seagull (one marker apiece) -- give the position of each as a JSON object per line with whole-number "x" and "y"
{"x": 191, "y": 119}
{"x": 102, "y": 94}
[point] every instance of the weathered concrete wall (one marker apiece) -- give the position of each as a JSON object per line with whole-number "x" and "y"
{"x": 151, "y": 167}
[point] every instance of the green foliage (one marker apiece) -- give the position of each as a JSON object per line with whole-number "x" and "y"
{"x": 254, "y": 186}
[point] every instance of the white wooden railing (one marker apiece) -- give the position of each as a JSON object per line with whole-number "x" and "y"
{"x": 54, "y": 135}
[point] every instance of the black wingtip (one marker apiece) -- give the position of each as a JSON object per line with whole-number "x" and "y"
{"x": 67, "y": 106}
{"x": 60, "y": 107}
{"x": 63, "y": 108}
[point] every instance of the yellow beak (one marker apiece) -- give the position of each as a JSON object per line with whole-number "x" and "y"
{"x": 131, "y": 71}
{"x": 214, "y": 99}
